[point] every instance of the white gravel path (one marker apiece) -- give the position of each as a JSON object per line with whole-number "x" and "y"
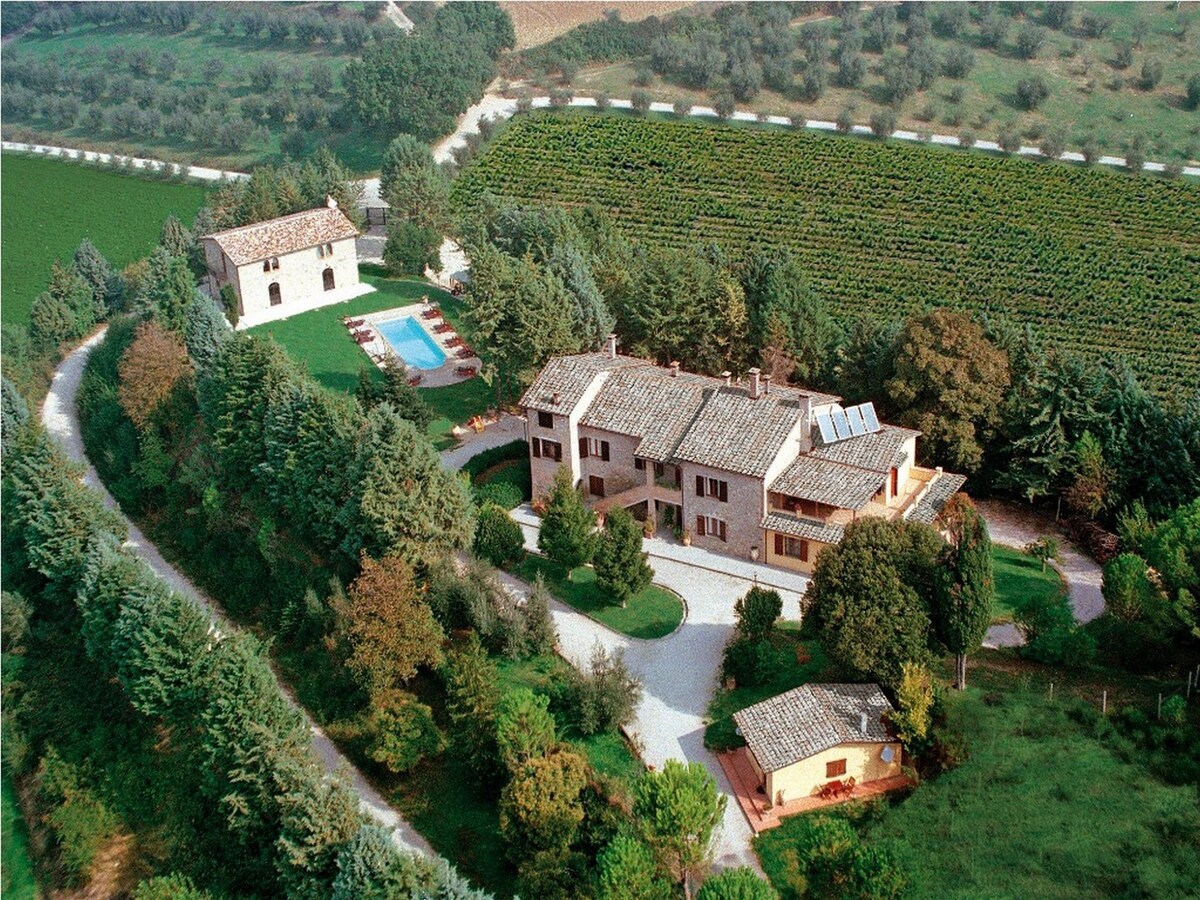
{"x": 60, "y": 416}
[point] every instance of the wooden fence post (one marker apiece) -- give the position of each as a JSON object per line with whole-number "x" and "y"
{"x": 1052, "y": 692}
{"x": 1104, "y": 704}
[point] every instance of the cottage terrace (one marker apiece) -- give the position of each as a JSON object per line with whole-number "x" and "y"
{"x": 743, "y": 467}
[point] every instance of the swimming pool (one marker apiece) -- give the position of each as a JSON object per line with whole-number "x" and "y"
{"x": 411, "y": 343}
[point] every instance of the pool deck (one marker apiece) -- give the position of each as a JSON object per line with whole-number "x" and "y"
{"x": 443, "y": 375}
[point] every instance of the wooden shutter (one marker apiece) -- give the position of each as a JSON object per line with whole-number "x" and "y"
{"x": 700, "y": 487}
{"x": 700, "y": 526}
{"x": 721, "y": 527}
{"x": 779, "y": 545}
{"x": 557, "y": 452}
{"x": 604, "y": 450}
{"x": 537, "y": 447}
{"x": 583, "y": 448}
{"x": 804, "y": 551}
{"x": 723, "y": 487}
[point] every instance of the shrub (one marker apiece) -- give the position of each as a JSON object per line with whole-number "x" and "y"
{"x": 607, "y": 694}
{"x": 1135, "y": 154}
{"x": 756, "y": 613}
{"x": 1029, "y": 41}
{"x": 1054, "y": 144}
{"x": 883, "y": 123}
{"x": 1192, "y": 94}
{"x": 504, "y": 494}
{"x": 845, "y": 121}
{"x": 724, "y": 104}
{"x": 498, "y": 538}
{"x": 1152, "y": 73}
{"x": 750, "y": 662}
{"x": 403, "y": 732}
{"x": 1031, "y": 92}
{"x": 966, "y": 139}
{"x": 1052, "y": 636}
{"x": 640, "y": 100}
{"x": 1123, "y": 57}
{"x": 1009, "y": 138}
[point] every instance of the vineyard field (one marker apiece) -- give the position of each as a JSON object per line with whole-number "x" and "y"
{"x": 1096, "y": 262}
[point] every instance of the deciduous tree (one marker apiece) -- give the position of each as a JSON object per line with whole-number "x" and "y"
{"x": 756, "y": 612}
{"x": 150, "y": 370}
{"x": 392, "y": 630}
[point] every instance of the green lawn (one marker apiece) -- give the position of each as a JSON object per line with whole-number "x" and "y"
{"x": 652, "y": 613}
{"x": 1044, "y": 805}
{"x": 321, "y": 341}
{"x": 798, "y": 661}
{"x": 1019, "y": 580}
{"x": 49, "y": 206}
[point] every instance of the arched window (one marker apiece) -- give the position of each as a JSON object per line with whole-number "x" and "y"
{"x": 273, "y": 293}
{"x": 327, "y": 278}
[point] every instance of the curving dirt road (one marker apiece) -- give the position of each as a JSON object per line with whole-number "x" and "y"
{"x": 61, "y": 418}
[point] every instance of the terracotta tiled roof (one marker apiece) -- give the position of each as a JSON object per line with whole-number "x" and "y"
{"x": 275, "y": 237}
{"x": 941, "y": 489}
{"x": 821, "y": 481}
{"x": 813, "y": 717}
{"x": 878, "y": 451}
{"x": 809, "y": 529}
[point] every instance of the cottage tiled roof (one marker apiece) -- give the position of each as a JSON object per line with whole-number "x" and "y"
{"x": 569, "y": 377}
{"x": 827, "y": 482}
{"x": 804, "y": 721}
{"x": 941, "y": 489}
{"x": 739, "y": 434}
{"x": 275, "y": 237}
{"x": 878, "y": 451}
{"x": 647, "y": 403}
{"x": 809, "y": 529}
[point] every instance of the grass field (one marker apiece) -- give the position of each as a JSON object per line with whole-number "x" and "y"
{"x": 1094, "y": 262}
{"x": 651, "y": 613}
{"x": 1020, "y": 580}
{"x": 1042, "y": 806}
{"x": 85, "y": 49}
{"x": 1088, "y": 94}
{"x": 50, "y": 206}
{"x": 18, "y": 882}
{"x": 536, "y": 23}
{"x": 321, "y": 341}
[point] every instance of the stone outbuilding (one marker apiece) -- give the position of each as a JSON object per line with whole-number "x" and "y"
{"x": 802, "y": 740}
{"x": 285, "y": 266}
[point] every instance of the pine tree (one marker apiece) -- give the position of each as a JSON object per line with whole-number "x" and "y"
{"x": 175, "y": 239}
{"x": 525, "y": 729}
{"x": 319, "y": 818}
{"x": 472, "y": 695}
{"x": 205, "y": 331}
{"x": 567, "y": 534}
{"x": 677, "y": 810}
{"x": 14, "y": 413}
{"x": 627, "y": 871}
{"x": 589, "y": 311}
{"x": 169, "y": 291}
{"x": 738, "y": 883}
{"x": 405, "y": 503}
{"x": 540, "y": 808}
{"x": 107, "y": 286}
{"x": 963, "y": 607}
{"x": 540, "y": 634}
{"x": 412, "y": 184}
{"x": 622, "y": 567}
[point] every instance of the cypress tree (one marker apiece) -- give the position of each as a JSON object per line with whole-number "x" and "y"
{"x": 472, "y": 695}
{"x": 963, "y": 608}
{"x": 108, "y": 288}
{"x": 566, "y": 535}
{"x": 205, "y": 331}
{"x": 14, "y": 413}
{"x": 319, "y": 819}
{"x": 621, "y": 564}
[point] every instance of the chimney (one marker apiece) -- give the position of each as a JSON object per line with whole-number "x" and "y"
{"x": 862, "y": 723}
{"x": 330, "y": 202}
{"x": 766, "y": 384}
{"x": 754, "y": 383}
{"x": 728, "y": 376}
{"x": 675, "y": 369}
{"x": 556, "y": 398}
{"x": 611, "y": 346}
{"x": 806, "y": 439}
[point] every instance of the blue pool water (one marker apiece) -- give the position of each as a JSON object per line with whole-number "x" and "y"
{"x": 411, "y": 343}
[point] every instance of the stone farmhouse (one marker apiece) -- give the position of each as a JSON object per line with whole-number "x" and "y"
{"x": 761, "y": 471}
{"x": 287, "y": 265}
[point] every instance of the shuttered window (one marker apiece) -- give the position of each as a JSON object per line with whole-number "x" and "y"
{"x": 834, "y": 768}
{"x": 595, "y": 486}
{"x": 593, "y": 447}
{"x": 583, "y": 448}
{"x": 796, "y": 548}
{"x": 712, "y": 527}
{"x": 543, "y": 448}
{"x": 712, "y": 487}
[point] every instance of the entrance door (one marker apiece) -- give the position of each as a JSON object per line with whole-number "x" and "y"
{"x": 327, "y": 278}
{"x": 273, "y": 293}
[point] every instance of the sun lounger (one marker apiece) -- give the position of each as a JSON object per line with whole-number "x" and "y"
{"x": 456, "y": 341}
{"x": 431, "y": 314}
{"x": 443, "y": 328}
{"x": 354, "y": 323}
{"x": 465, "y": 353}
{"x": 363, "y": 337}
{"x": 414, "y": 380}
{"x": 465, "y": 371}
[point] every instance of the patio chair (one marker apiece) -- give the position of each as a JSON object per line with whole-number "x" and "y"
{"x": 414, "y": 380}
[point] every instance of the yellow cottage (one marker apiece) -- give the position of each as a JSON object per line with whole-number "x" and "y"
{"x": 804, "y": 739}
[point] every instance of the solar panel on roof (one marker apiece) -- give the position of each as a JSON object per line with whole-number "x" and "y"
{"x": 827, "y": 433}
{"x": 840, "y": 424}
{"x": 872, "y": 420}
{"x": 857, "y": 425}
